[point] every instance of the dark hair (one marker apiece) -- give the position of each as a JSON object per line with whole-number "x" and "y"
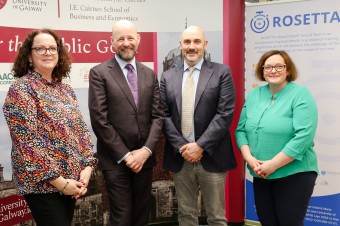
{"x": 290, "y": 66}
{"x": 22, "y": 65}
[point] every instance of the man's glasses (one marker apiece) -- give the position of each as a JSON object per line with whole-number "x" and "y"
{"x": 278, "y": 67}
{"x": 42, "y": 50}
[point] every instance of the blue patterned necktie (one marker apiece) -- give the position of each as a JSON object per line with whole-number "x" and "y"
{"x": 132, "y": 79}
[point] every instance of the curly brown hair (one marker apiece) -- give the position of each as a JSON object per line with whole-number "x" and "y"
{"x": 22, "y": 65}
{"x": 291, "y": 68}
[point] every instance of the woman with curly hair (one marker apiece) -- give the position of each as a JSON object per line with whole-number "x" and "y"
{"x": 52, "y": 156}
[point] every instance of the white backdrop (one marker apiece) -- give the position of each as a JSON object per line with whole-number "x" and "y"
{"x": 310, "y": 32}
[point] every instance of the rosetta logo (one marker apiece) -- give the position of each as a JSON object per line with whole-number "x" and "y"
{"x": 259, "y": 23}
{"x": 2, "y": 3}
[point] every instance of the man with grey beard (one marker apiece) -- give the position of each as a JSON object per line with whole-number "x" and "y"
{"x": 126, "y": 116}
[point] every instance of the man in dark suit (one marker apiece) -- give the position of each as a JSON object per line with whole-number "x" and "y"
{"x": 127, "y": 118}
{"x": 198, "y": 147}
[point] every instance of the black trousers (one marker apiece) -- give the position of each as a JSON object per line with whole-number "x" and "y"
{"x": 284, "y": 201}
{"x": 129, "y": 195}
{"x": 51, "y": 209}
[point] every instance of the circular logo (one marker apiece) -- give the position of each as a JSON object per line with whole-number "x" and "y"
{"x": 259, "y": 23}
{"x": 2, "y": 3}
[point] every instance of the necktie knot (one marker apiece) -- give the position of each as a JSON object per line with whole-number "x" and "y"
{"x": 129, "y": 67}
{"x": 191, "y": 70}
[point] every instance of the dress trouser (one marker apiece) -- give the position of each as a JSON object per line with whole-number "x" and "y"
{"x": 51, "y": 209}
{"x": 283, "y": 201}
{"x": 129, "y": 195}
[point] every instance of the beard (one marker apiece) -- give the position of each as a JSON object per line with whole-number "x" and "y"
{"x": 126, "y": 56}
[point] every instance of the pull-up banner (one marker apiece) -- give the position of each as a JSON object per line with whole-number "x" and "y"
{"x": 309, "y": 32}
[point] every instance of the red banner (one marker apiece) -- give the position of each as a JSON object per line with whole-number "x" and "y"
{"x": 14, "y": 210}
{"x": 84, "y": 46}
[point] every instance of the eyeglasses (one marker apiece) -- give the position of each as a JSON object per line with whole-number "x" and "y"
{"x": 278, "y": 67}
{"x": 42, "y": 50}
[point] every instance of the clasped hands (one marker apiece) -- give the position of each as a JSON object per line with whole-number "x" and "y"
{"x": 136, "y": 159}
{"x": 74, "y": 187}
{"x": 261, "y": 168}
{"x": 192, "y": 152}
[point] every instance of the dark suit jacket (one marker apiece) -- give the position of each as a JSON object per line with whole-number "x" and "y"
{"x": 116, "y": 120}
{"x": 214, "y": 108}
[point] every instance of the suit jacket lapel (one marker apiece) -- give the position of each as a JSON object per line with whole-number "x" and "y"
{"x": 177, "y": 85}
{"x": 205, "y": 75}
{"x": 141, "y": 80}
{"x": 118, "y": 75}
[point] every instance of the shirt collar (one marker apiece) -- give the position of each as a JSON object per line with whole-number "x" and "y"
{"x": 123, "y": 63}
{"x": 197, "y": 66}
{"x": 281, "y": 91}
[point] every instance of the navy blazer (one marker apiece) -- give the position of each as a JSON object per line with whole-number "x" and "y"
{"x": 214, "y": 109}
{"x": 121, "y": 126}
